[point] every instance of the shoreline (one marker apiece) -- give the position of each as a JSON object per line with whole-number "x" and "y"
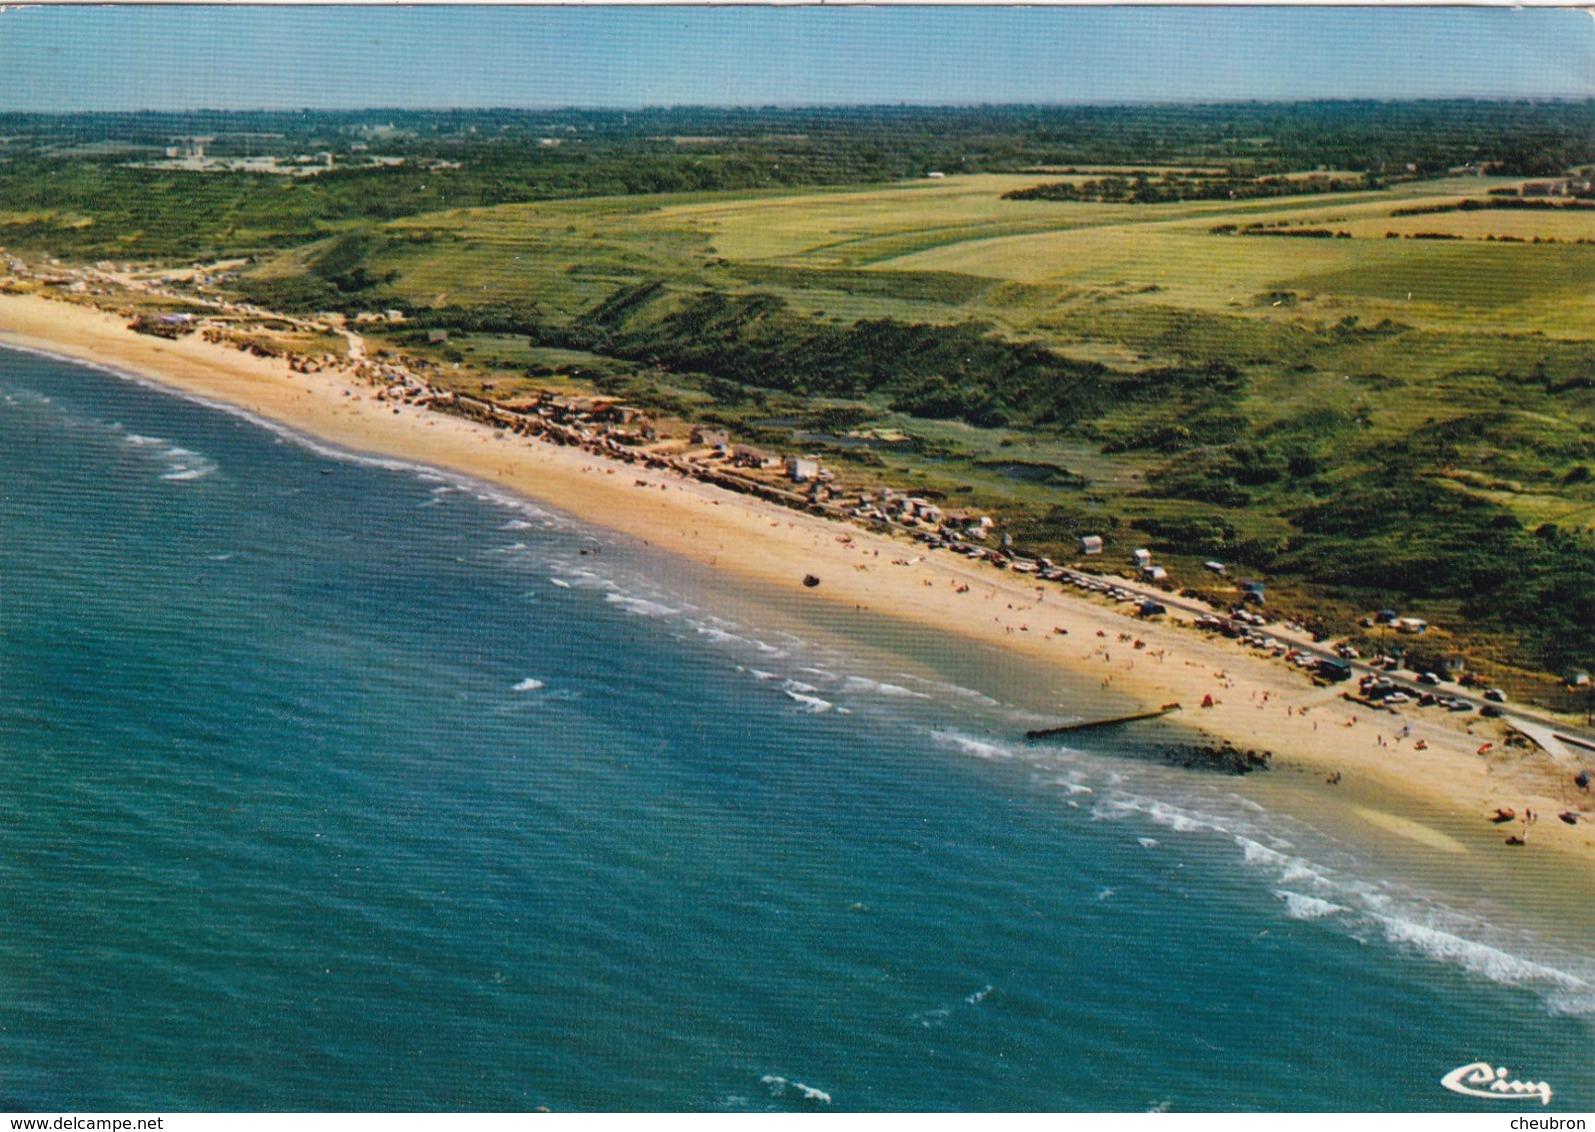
{"x": 1431, "y": 804}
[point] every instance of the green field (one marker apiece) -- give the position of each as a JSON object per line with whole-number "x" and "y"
{"x": 1366, "y": 420}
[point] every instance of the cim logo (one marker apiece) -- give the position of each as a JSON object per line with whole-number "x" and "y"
{"x": 1481, "y": 1079}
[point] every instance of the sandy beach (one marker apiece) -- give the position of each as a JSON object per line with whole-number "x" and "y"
{"x": 1342, "y": 759}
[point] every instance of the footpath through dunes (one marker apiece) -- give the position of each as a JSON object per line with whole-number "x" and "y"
{"x": 1313, "y": 734}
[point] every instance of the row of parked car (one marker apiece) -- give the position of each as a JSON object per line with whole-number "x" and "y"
{"x": 1383, "y": 690}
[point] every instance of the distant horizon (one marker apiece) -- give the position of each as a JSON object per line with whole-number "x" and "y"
{"x": 1194, "y": 104}
{"x": 193, "y": 59}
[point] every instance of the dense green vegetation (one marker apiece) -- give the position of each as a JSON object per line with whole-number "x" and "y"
{"x": 1366, "y": 422}
{"x": 1146, "y": 188}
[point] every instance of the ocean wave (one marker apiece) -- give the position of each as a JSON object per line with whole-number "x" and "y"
{"x": 799, "y": 687}
{"x": 812, "y": 704}
{"x": 968, "y": 745}
{"x": 291, "y": 435}
{"x": 1147, "y": 842}
{"x": 530, "y": 684}
{"x": 1162, "y": 813}
{"x": 516, "y": 525}
{"x": 1474, "y": 956}
{"x": 182, "y": 464}
{"x": 1346, "y": 902}
{"x": 639, "y": 606}
{"x": 1566, "y": 1004}
{"x": 561, "y": 583}
{"x": 1300, "y": 907}
{"x": 944, "y": 688}
{"x": 719, "y": 636}
{"x": 180, "y": 474}
{"x": 779, "y": 1087}
{"x": 857, "y": 684}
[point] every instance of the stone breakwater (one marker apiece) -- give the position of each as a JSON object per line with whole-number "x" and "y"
{"x": 1224, "y": 757}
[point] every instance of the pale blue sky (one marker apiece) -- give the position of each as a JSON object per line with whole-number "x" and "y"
{"x": 173, "y": 58}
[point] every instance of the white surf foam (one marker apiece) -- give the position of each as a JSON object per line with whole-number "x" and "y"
{"x": 1162, "y": 813}
{"x": 530, "y": 684}
{"x": 181, "y": 474}
{"x": 880, "y": 688}
{"x": 640, "y": 606}
{"x": 1300, "y": 907}
{"x": 1477, "y": 958}
{"x": 968, "y": 745}
{"x": 812, "y": 704}
{"x": 779, "y": 1086}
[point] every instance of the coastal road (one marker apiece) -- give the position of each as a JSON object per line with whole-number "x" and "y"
{"x": 1553, "y": 735}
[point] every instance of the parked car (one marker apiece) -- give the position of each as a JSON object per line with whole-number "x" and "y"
{"x": 1428, "y": 678}
{"x": 1495, "y": 696}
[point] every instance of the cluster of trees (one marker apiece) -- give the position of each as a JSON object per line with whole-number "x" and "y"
{"x": 1145, "y": 189}
{"x": 68, "y": 168}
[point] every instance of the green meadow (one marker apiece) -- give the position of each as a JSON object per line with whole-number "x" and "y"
{"x": 1366, "y": 419}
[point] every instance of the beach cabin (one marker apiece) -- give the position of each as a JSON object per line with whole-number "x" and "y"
{"x": 1417, "y": 626}
{"x": 1215, "y": 568}
{"x": 1090, "y": 544}
{"x": 1155, "y": 574}
{"x": 801, "y": 470}
{"x": 1251, "y": 592}
{"x": 1141, "y": 558}
{"x": 1334, "y": 670}
{"x": 743, "y": 456}
{"x": 713, "y": 438}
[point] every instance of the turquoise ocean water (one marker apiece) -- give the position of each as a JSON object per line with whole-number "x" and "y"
{"x": 335, "y": 783}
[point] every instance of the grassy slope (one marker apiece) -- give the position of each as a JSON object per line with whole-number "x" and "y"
{"x": 1464, "y": 364}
